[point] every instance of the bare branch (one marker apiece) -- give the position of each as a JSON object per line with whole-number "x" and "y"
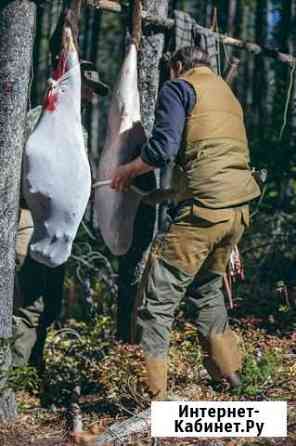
{"x": 114, "y": 6}
{"x": 232, "y": 70}
{"x": 106, "y": 5}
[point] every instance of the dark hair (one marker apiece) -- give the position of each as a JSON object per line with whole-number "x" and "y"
{"x": 190, "y": 57}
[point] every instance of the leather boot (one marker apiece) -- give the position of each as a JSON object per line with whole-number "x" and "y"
{"x": 157, "y": 369}
{"x": 234, "y": 380}
{"x": 225, "y": 352}
{"x": 222, "y": 357}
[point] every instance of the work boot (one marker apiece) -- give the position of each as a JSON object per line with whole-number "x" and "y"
{"x": 225, "y": 352}
{"x": 222, "y": 357}
{"x": 234, "y": 380}
{"x": 157, "y": 369}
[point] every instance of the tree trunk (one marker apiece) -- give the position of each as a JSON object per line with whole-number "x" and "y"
{"x": 292, "y": 49}
{"x": 232, "y": 10}
{"x": 17, "y": 24}
{"x": 150, "y": 53}
{"x": 259, "y": 77}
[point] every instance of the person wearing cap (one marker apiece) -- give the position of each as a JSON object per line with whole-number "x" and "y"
{"x": 199, "y": 125}
{"x": 39, "y": 289}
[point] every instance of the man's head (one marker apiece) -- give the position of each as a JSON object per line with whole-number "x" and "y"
{"x": 187, "y": 58}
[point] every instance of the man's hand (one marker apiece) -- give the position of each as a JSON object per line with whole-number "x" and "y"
{"x": 123, "y": 175}
{"x": 122, "y": 178}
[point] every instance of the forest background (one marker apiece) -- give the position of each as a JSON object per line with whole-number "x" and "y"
{"x": 262, "y": 86}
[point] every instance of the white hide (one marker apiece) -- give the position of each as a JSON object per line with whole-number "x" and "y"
{"x": 56, "y": 172}
{"x": 116, "y": 211}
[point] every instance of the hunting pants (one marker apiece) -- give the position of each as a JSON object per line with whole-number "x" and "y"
{"x": 192, "y": 257}
{"x": 42, "y": 291}
{"x": 38, "y": 299}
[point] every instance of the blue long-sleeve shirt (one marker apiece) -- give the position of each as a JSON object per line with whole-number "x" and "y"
{"x": 176, "y": 101}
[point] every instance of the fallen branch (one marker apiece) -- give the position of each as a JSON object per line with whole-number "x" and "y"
{"x": 126, "y": 430}
{"x": 113, "y": 6}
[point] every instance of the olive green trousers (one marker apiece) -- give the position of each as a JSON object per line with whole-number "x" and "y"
{"x": 37, "y": 300}
{"x": 42, "y": 294}
{"x": 191, "y": 258}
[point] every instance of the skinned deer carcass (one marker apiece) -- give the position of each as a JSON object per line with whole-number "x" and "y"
{"x": 56, "y": 172}
{"x": 116, "y": 211}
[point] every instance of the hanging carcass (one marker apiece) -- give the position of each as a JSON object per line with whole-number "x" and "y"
{"x": 116, "y": 211}
{"x": 56, "y": 172}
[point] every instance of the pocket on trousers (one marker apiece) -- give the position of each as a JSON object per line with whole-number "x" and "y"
{"x": 183, "y": 215}
{"x": 212, "y": 216}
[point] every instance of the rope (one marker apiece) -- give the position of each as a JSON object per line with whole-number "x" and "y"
{"x": 289, "y": 94}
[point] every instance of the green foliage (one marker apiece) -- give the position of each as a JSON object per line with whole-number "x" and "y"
{"x": 287, "y": 317}
{"x": 94, "y": 360}
{"x": 91, "y": 271}
{"x": 73, "y": 357}
{"x": 258, "y": 373}
{"x": 24, "y": 379}
{"x": 185, "y": 359}
{"x": 125, "y": 3}
{"x": 250, "y": 3}
{"x": 113, "y": 371}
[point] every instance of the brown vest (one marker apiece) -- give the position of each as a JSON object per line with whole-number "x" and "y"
{"x": 214, "y": 157}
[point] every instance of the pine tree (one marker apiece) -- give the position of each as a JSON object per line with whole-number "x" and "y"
{"x": 17, "y": 25}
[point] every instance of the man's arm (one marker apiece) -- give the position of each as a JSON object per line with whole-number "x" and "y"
{"x": 176, "y": 101}
{"x": 124, "y": 174}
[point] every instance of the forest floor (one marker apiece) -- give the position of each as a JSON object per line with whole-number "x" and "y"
{"x": 112, "y": 377}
